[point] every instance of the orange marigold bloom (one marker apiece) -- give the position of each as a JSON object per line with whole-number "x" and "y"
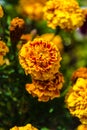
{"x": 1, "y": 12}
{"x": 40, "y": 58}
{"x": 17, "y": 27}
{"x": 79, "y": 73}
{"x": 48, "y": 89}
{"x": 63, "y": 13}
{"x": 76, "y": 100}
{"x": 26, "y": 127}
{"x": 82, "y": 127}
{"x": 3, "y": 50}
{"x": 32, "y": 8}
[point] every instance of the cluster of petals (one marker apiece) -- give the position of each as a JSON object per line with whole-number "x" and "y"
{"x": 40, "y": 58}
{"x": 56, "y": 39}
{"x": 26, "y": 127}
{"x": 76, "y": 98}
{"x": 63, "y": 13}
{"x": 32, "y": 8}
{"x": 46, "y": 90}
{"x": 3, "y": 50}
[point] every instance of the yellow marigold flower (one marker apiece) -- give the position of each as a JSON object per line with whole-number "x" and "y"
{"x": 26, "y": 127}
{"x": 40, "y": 58}
{"x": 79, "y": 73}
{"x": 3, "y": 50}
{"x": 56, "y": 39}
{"x": 1, "y": 12}
{"x": 63, "y": 13}
{"x": 17, "y": 27}
{"x": 48, "y": 89}
{"x": 32, "y": 8}
{"x": 76, "y": 100}
{"x": 82, "y": 127}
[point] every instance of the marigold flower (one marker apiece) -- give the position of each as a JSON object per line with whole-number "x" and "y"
{"x": 17, "y": 27}
{"x": 76, "y": 100}
{"x": 1, "y": 12}
{"x": 32, "y": 8}
{"x": 79, "y": 73}
{"x": 48, "y": 89}
{"x": 3, "y": 50}
{"x": 63, "y": 13}
{"x": 82, "y": 127}
{"x": 56, "y": 39}
{"x": 40, "y": 58}
{"x": 26, "y": 127}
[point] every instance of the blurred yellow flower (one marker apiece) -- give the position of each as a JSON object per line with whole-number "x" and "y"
{"x": 2, "y": 61}
{"x": 40, "y": 58}
{"x": 46, "y": 90}
{"x": 63, "y": 13}
{"x": 76, "y": 100}
{"x": 32, "y": 8}
{"x": 26, "y": 127}
{"x": 1, "y": 12}
{"x": 56, "y": 39}
{"x": 82, "y": 127}
{"x": 3, "y": 50}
